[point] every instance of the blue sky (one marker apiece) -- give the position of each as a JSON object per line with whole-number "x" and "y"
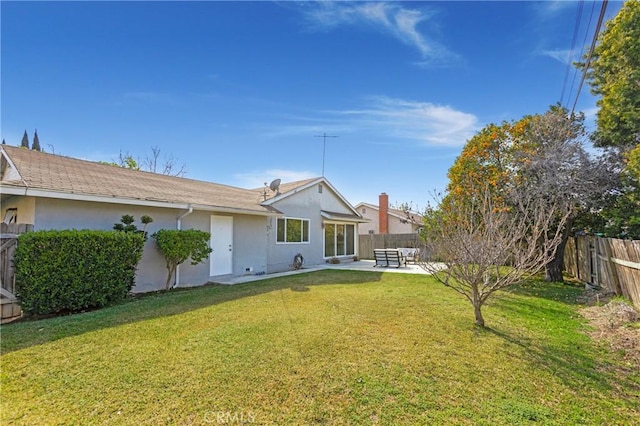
{"x": 237, "y": 91}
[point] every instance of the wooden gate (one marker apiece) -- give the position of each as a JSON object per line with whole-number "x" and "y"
{"x": 606, "y": 262}
{"x": 10, "y": 309}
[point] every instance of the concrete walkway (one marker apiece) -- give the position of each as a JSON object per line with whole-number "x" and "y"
{"x": 361, "y": 265}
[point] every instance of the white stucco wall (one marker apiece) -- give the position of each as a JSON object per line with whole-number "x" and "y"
{"x": 306, "y": 204}
{"x": 250, "y": 240}
{"x": 26, "y": 208}
{"x": 397, "y": 227}
{"x": 371, "y": 214}
{"x": 395, "y": 224}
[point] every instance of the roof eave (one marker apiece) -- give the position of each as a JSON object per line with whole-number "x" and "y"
{"x": 46, "y": 193}
{"x": 34, "y": 192}
{"x": 235, "y": 210}
{"x": 343, "y": 218}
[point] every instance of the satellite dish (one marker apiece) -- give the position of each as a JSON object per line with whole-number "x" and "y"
{"x": 275, "y": 186}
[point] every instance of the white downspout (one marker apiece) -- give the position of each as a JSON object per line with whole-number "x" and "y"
{"x": 179, "y": 227}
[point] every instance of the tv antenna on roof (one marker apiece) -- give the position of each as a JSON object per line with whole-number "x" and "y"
{"x": 324, "y": 137}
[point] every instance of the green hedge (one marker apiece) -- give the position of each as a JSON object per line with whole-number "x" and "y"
{"x": 71, "y": 270}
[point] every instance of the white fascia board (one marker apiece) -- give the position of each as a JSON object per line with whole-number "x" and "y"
{"x": 367, "y": 205}
{"x": 42, "y": 193}
{"x": 235, "y": 211}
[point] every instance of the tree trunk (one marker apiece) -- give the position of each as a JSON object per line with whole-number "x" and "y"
{"x": 170, "y": 276}
{"x": 477, "y": 305}
{"x": 478, "y": 313}
{"x": 553, "y": 269}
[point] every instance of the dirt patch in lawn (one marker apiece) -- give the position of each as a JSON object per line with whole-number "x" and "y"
{"x": 615, "y": 323}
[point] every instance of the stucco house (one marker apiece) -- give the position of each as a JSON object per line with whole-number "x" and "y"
{"x": 253, "y": 231}
{"x": 385, "y": 220}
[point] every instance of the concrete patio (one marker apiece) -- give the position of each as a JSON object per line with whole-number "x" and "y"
{"x": 360, "y": 265}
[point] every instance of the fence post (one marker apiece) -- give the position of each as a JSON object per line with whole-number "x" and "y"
{"x": 613, "y": 282}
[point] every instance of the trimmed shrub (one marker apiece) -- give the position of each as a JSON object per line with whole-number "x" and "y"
{"x": 179, "y": 245}
{"x": 72, "y": 270}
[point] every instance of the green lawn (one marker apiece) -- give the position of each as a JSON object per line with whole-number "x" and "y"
{"x": 330, "y": 347}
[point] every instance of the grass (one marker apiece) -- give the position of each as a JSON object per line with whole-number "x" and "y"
{"x": 329, "y": 347}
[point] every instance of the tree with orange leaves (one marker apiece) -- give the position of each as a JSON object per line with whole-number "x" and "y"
{"x": 537, "y": 157}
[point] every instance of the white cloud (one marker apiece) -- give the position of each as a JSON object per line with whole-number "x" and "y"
{"x": 552, "y": 7}
{"x": 560, "y": 55}
{"x": 424, "y": 122}
{"x": 257, "y": 178}
{"x": 391, "y": 18}
{"x": 590, "y": 113}
{"x": 382, "y": 119}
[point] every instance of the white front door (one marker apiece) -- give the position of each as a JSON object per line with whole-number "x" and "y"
{"x": 222, "y": 245}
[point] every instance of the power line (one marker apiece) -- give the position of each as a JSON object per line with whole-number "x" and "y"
{"x": 584, "y": 43}
{"x": 573, "y": 46}
{"x": 324, "y": 137}
{"x": 591, "y": 49}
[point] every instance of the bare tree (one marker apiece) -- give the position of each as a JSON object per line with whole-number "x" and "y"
{"x": 169, "y": 165}
{"x": 152, "y": 163}
{"x": 486, "y": 247}
{"x": 560, "y": 171}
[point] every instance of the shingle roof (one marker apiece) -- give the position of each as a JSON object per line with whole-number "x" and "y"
{"x": 67, "y": 175}
{"x": 284, "y": 187}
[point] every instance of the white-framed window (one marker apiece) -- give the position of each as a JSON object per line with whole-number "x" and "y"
{"x": 292, "y": 230}
{"x": 339, "y": 239}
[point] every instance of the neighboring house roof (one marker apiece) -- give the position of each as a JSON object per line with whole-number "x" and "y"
{"x": 28, "y": 172}
{"x": 413, "y": 217}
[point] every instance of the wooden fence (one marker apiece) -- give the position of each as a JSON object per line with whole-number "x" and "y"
{"x": 606, "y": 262}
{"x": 9, "y": 307}
{"x": 368, "y": 242}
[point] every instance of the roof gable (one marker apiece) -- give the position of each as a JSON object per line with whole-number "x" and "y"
{"x": 8, "y": 171}
{"x": 291, "y": 188}
{"x": 400, "y": 214}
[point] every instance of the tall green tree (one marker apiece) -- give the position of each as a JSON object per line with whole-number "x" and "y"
{"x": 614, "y": 75}
{"x": 36, "y": 142}
{"x": 540, "y": 157}
{"x": 25, "y": 140}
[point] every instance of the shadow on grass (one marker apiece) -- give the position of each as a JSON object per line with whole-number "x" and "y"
{"x": 566, "y": 292}
{"x": 26, "y": 333}
{"x": 560, "y": 347}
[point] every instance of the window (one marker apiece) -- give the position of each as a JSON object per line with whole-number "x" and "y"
{"x": 291, "y": 230}
{"x": 339, "y": 239}
{"x": 319, "y": 189}
{"x": 11, "y": 216}
{"x": 364, "y": 210}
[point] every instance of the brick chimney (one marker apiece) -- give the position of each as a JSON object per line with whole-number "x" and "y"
{"x": 383, "y": 211}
